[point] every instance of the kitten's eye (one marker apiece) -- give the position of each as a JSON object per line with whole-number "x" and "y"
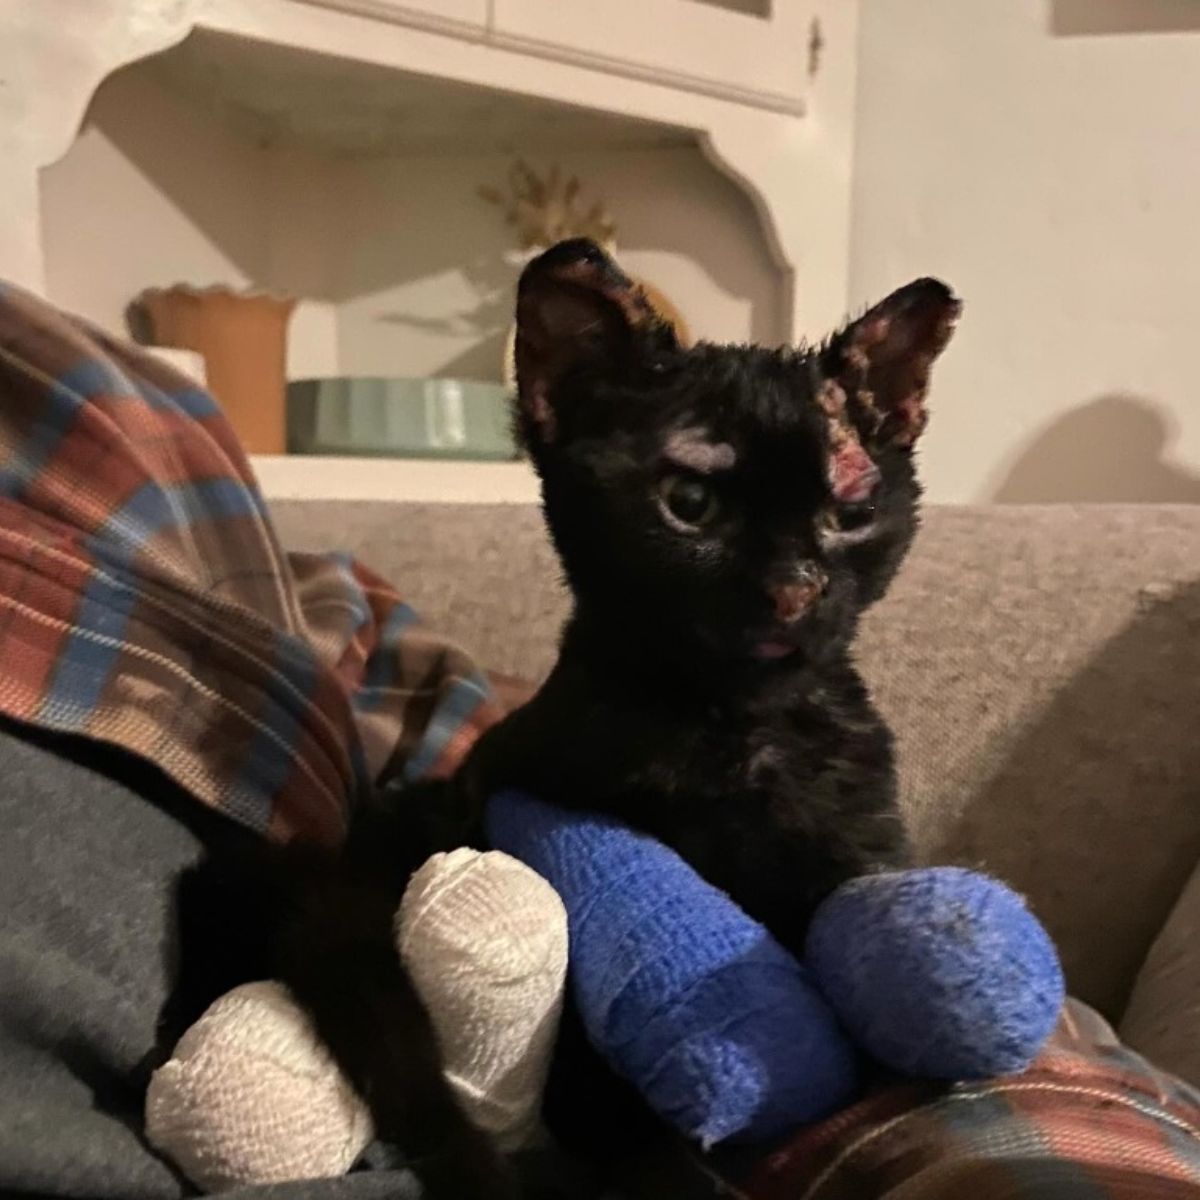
{"x": 687, "y": 502}
{"x": 854, "y": 516}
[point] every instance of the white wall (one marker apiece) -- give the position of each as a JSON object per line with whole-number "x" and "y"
{"x": 431, "y": 273}
{"x": 402, "y": 267}
{"x": 150, "y": 194}
{"x": 307, "y": 229}
{"x": 1044, "y": 157}
{"x": 154, "y": 193}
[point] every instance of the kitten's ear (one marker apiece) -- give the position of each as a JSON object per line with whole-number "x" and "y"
{"x": 573, "y": 303}
{"x": 881, "y": 362}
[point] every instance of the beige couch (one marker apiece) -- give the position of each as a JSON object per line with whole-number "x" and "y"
{"x": 1041, "y": 669}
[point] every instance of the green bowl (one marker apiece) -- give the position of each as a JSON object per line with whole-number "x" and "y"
{"x": 400, "y": 418}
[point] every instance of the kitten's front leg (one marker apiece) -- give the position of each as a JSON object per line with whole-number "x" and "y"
{"x": 601, "y": 1118}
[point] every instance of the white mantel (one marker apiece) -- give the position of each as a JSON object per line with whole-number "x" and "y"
{"x": 745, "y": 111}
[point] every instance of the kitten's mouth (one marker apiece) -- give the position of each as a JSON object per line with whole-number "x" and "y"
{"x": 770, "y": 649}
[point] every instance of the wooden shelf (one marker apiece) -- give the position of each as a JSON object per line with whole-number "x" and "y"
{"x": 332, "y": 149}
{"x": 280, "y": 96}
{"x": 428, "y": 481}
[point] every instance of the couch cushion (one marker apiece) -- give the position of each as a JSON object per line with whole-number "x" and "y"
{"x": 1040, "y": 666}
{"x": 1163, "y": 1017}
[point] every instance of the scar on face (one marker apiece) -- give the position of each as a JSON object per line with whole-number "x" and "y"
{"x": 692, "y": 450}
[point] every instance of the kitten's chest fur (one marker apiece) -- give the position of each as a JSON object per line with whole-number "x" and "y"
{"x": 776, "y": 796}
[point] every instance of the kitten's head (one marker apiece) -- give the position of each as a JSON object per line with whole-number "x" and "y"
{"x": 733, "y": 503}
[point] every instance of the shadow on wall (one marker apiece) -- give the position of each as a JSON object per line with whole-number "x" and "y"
{"x": 1107, "y": 829}
{"x": 1115, "y": 449}
{"x": 483, "y": 326}
{"x": 1073, "y": 17}
{"x": 713, "y": 226}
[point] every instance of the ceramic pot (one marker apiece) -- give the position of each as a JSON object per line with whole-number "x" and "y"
{"x": 400, "y": 418}
{"x": 243, "y": 338}
{"x": 187, "y": 362}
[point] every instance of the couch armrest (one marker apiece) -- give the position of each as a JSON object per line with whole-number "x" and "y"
{"x": 1162, "y": 1019}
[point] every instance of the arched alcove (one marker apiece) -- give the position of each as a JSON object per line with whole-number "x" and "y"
{"x": 355, "y": 188}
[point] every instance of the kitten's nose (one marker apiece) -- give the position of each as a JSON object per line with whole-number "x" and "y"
{"x": 794, "y": 597}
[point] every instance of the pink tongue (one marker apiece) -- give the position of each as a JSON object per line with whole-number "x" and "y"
{"x": 772, "y": 649}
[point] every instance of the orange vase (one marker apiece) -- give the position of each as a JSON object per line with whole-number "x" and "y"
{"x": 243, "y": 338}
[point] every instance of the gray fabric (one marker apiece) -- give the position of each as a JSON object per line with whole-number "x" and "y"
{"x": 1040, "y": 666}
{"x": 86, "y": 873}
{"x": 1162, "y": 1020}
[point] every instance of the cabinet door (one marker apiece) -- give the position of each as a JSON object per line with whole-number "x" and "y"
{"x": 750, "y": 50}
{"x": 457, "y": 16}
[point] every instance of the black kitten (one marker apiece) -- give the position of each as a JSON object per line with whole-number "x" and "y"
{"x": 723, "y": 515}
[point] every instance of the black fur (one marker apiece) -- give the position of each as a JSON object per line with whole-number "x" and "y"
{"x": 773, "y": 777}
{"x": 705, "y": 690}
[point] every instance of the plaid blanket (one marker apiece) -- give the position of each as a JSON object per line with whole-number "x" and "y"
{"x": 145, "y": 602}
{"x": 1090, "y": 1120}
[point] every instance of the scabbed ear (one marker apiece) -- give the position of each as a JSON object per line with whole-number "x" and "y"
{"x": 881, "y": 362}
{"x": 573, "y": 303}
